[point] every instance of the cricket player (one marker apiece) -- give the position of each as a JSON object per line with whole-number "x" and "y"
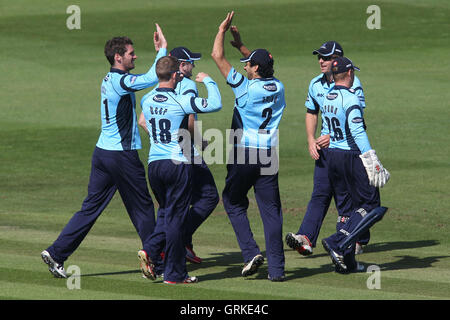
{"x": 354, "y": 170}
{"x": 205, "y": 196}
{"x": 170, "y": 171}
{"x": 305, "y": 239}
{"x": 115, "y": 161}
{"x": 258, "y": 109}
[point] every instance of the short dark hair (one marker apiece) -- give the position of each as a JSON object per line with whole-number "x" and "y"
{"x": 264, "y": 71}
{"x": 165, "y": 66}
{"x": 116, "y": 45}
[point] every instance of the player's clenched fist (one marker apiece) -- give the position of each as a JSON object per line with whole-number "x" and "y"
{"x": 200, "y": 76}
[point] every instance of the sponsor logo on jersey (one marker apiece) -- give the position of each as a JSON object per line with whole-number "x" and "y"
{"x": 332, "y": 96}
{"x": 357, "y": 120}
{"x": 160, "y": 98}
{"x": 204, "y": 103}
{"x": 270, "y": 87}
{"x": 133, "y": 79}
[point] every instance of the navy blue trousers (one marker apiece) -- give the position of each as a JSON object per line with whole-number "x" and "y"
{"x": 240, "y": 178}
{"x": 110, "y": 171}
{"x": 203, "y": 202}
{"x": 320, "y": 202}
{"x": 204, "y": 197}
{"x": 171, "y": 184}
{"x": 352, "y": 192}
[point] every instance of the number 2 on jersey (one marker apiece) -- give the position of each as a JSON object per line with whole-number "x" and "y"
{"x": 266, "y": 113}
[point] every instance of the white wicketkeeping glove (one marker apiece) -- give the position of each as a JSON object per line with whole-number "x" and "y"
{"x": 378, "y": 175}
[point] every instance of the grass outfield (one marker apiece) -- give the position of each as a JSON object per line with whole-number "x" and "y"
{"x": 50, "y": 123}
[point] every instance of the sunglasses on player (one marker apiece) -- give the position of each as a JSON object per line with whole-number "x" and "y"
{"x": 190, "y": 61}
{"x": 327, "y": 58}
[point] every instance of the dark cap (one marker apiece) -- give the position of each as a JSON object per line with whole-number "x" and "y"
{"x": 184, "y": 54}
{"x": 260, "y": 57}
{"x": 329, "y": 48}
{"x": 342, "y": 64}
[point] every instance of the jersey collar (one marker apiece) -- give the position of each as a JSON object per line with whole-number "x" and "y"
{"x": 165, "y": 89}
{"x": 117, "y": 70}
{"x": 264, "y": 79}
{"x": 341, "y": 87}
{"x": 324, "y": 80}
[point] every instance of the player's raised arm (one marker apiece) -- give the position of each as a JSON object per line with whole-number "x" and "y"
{"x": 237, "y": 42}
{"x": 132, "y": 82}
{"x": 218, "y": 53}
{"x": 159, "y": 40}
{"x": 213, "y": 102}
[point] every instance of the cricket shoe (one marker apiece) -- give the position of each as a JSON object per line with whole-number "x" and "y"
{"x": 252, "y": 266}
{"x": 54, "y": 267}
{"x": 188, "y": 280}
{"x": 358, "y": 268}
{"x": 191, "y": 256}
{"x": 358, "y": 248}
{"x": 276, "y": 279}
{"x": 147, "y": 266}
{"x": 300, "y": 243}
{"x": 337, "y": 259}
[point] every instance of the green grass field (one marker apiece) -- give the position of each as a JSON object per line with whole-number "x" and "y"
{"x": 50, "y": 123}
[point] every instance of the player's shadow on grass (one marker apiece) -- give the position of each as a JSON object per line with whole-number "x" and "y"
{"x": 388, "y": 246}
{"x": 110, "y": 273}
{"x": 399, "y": 245}
{"x": 218, "y": 259}
{"x": 300, "y": 273}
{"x": 231, "y": 260}
{"x": 410, "y": 262}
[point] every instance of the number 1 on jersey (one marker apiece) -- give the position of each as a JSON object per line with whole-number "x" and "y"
{"x": 105, "y": 102}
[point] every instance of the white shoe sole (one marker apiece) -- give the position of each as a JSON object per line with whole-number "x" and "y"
{"x": 146, "y": 265}
{"x": 294, "y": 243}
{"x": 253, "y": 266}
{"x": 48, "y": 260}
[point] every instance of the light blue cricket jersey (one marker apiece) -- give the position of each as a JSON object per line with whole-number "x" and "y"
{"x": 118, "y": 107}
{"x": 344, "y": 120}
{"x": 258, "y": 109}
{"x": 319, "y": 87}
{"x": 187, "y": 87}
{"x": 166, "y": 114}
